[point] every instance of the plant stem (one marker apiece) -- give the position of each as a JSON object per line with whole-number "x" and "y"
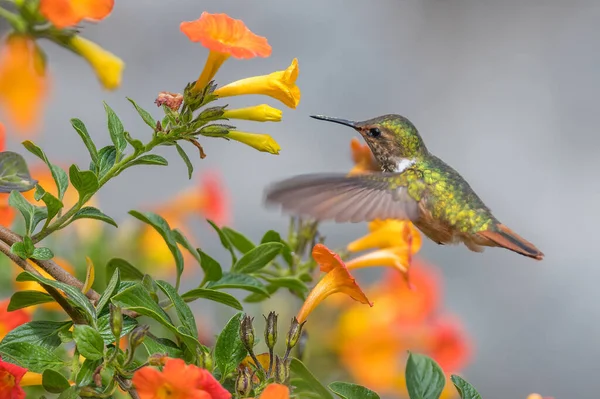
{"x": 17, "y": 23}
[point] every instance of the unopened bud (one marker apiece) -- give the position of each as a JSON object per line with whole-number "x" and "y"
{"x": 88, "y": 392}
{"x": 116, "y": 321}
{"x": 137, "y": 336}
{"x": 158, "y": 359}
{"x": 282, "y": 370}
{"x": 294, "y": 333}
{"x": 243, "y": 385}
{"x": 171, "y": 100}
{"x": 271, "y": 330}
{"x": 205, "y": 360}
{"x": 247, "y": 333}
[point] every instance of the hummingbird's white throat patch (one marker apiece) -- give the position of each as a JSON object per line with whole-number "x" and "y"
{"x": 404, "y": 164}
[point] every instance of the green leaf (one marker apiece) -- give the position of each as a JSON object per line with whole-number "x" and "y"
{"x": 129, "y": 324}
{"x": 239, "y": 281}
{"x": 162, "y": 227}
{"x": 149, "y": 159}
{"x": 42, "y": 253}
{"x": 116, "y": 129}
{"x": 110, "y": 290}
{"x": 229, "y": 350}
{"x": 286, "y": 251}
{"x": 212, "y": 268}
{"x": 53, "y": 204}
{"x": 32, "y": 357}
{"x": 25, "y": 299}
{"x": 137, "y": 145}
{"x": 71, "y": 393}
{"x": 186, "y": 317}
{"x": 239, "y": 241}
{"x": 89, "y": 212}
{"x": 186, "y": 160}
{"x": 224, "y": 240}
{"x": 106, "y": 160}
{"x": 38, "y": 333}
{"x": 14, "y": 174}
{"x": 466, "y": 390}
{"x": 79, "y": 126}
{"x": 271, "y": 236}
{"x": 146, "y": 117}
{"x": 59, "y": 175}
{"x": 85, "y": 182}
{"x": 292, "y": 283}
{"x": 184, "y": 242}
{"x": 126, "y": 269}
{"x": 162, "y": 346}
{"x": 54, "y": 382}
{"x": 212, "y": 295}
{"x": 424, "y": 377}
{"x": 89, "y": 342}
{"x": 31, "y": 213}
{"x": 258, "y": 257}
{"x": 305, "y": 381}
{"x": 23, "y": 249}
{"x": 85, "y": 376}
{"x": 73, "y": 294}
{"x": 347, "y": 390}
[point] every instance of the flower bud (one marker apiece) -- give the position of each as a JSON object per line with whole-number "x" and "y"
{"x": 205, "y": 360}
{"x": 247, "y": 333}
{"x": 243, "y": 385}
{"x": 271, "y": 330}
{"x": 137, "y": 336}
{"x": 282, "y": 370}
{"x": 88, "y": 392}
{"x": 158, "y": 359}
{"x": 171, "y": 100}
{"x": 116, "y": 321}
{"x": 294, "y": 333}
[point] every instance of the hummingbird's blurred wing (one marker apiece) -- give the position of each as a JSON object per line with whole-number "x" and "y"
{"x": 344, "y": 198}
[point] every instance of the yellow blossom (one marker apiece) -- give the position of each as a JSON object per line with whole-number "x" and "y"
{"x": 258, "y": 113}
{"x": 31, "y": 378}
{"x": 280, "y": 85}
{"x": 393, "y": 257}
{"x": 107, "y": 66}
{"x": 262, "y": 142}
{"x": 388, "y": 233}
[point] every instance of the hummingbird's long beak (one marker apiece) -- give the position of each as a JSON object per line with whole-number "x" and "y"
{"x": 335, "y": 120}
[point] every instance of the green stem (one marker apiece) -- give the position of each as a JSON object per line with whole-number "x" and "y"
{"x": 17, "y": 23}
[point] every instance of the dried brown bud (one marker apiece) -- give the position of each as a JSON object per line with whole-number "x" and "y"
{"x": 247, "y": 333}
{"x": 294, "y": 333}
{"x": 271, "y": 330}
{"x": 171, "y": 100}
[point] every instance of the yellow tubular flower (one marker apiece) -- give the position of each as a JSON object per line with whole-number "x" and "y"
{"x": 280, "y": 85}
{"x": 213, "y": 63}
{"x": 262, "y": 142}
{"x": 398, "y": 258}
{"x": 258, "y": 113}
{"x": 107, "y": 66}
{"x": 388, "y": 233}
{"x": 30, "y": 379}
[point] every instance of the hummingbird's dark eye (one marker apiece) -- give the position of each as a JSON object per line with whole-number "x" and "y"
{"x": 374, "y": 132}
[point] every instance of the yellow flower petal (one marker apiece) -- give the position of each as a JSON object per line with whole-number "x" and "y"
{"x": 280, "y": 85}
{"x": 258, "y": 113}
{"x": 397, "y": 258}
{"x": 107, "y": 66}
{"x": 213, "y": 63}
{"x": 31, "y": 378}
{"x": 262, "y": 142}
{"x": 389, "y": 233}
{"x": 89, "y": 275}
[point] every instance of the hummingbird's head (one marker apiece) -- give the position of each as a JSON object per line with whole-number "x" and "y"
{"x": 390, "y": 137}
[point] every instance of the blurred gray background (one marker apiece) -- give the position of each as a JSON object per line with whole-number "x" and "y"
{"x": 505, "y": 91}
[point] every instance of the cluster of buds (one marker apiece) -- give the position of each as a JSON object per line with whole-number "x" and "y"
{"x": 266, "y": 367}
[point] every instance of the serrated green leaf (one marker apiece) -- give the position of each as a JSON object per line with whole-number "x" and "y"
{"x": 85, "y": 376}
{"x": 129, "y": 324}
{"x": 37, "y": 333}
{"x": 466, "y": 390}
{"x": 162, "y": 227}
{"x": 239, "y": 281}
{"x": 238, "y": 240}
{"x": 89, "y": 342}
{"x": 53, "y": 204}
{"x": 229, "y": 350}
{"x": 347, "y": 390}
{"x": 42, "y": 253}
{"x": 146, "y": 117}
{"x": 424, "y": 377}
{"x": 127, "y": 270}
{"x": 89, "y": 212}
{"x": 162, "y": 346}
{"x": 25, "y": 299}
{"x": 116, "y": 129}
{"x": 85, "y": 182}
{"x": 111, "y": 289}
{"x": 224, "y": 240}
{"x": 31, "y": 213}
{"x": 54, "y": 382}
{"x": 212, "y": 295}
{"x": 59, "y": 175}
{"x": 305, "y": 381}
{"x": 79, "y": 126}
{"x": 32, "y": 357}
{"x": 212, "y": 268}
{"x": 258, "y": 257}
{"x": 186, "y": 160}
{"x": 150, "y": 159}
{"x": 73, "y": 294}
{"x": 186, "y": 317}
{"x": 107, "y": 156}
{"x": 14, "y": 174}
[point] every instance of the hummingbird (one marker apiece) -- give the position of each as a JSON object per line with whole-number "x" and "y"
{"x": 413, "y": 185}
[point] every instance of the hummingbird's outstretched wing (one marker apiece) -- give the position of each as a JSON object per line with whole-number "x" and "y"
{"x": 344, "y": 198}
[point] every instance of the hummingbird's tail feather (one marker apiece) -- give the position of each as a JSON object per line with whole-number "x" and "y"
{"x": 506, "y": 238}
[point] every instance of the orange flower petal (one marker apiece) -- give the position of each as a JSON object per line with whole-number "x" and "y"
{"x": 397, "y": 258}
{"x": 11, "y": 320}
{"x": 275, "y": 391}
{"x": 64, "y": 13}
{"x": 450, "y": 346}
{"x": 389, "y": 233}
{"x": 364, "y": 161}
{"x": 221, "y": 33}
{"x": 23, "y": 82}
{"x": 337, "y": 279}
